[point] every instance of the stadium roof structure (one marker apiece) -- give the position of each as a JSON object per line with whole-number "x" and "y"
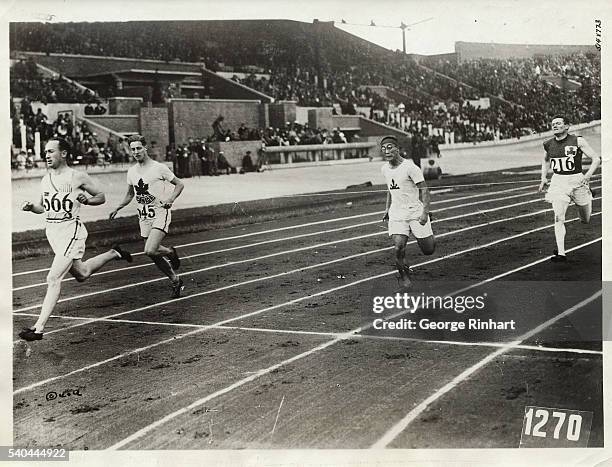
{"x": 142, "y": 77}
{"x": 137, "y": 71}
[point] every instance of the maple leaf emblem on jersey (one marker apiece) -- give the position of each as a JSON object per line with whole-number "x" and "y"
{"x": 141, "y": 187}
{"x": 142, "y": 193}
{"x": 394, "y": 186}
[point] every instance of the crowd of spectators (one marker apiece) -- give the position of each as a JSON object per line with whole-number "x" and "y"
{"x": 216, "y": 43}
{"x": 539, "y": 85}
{"x": 26, "y": 80}
{"x": 88, "y": 148}
{"x": 211, "y": 163}
{"x": 319, "y": 65}
{"x": 290, "y": 134}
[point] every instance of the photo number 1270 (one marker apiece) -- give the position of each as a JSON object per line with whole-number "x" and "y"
{"x": 547, "y": 427}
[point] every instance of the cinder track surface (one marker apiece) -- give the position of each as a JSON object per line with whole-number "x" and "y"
{"x": 268, "y": 346}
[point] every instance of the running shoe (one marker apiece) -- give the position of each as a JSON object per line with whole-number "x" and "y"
{"x": 557, "y": 258}
{"x": 126, "y": 255}
{"x": 177, "y": 289}
{"x": 30, "y": 335}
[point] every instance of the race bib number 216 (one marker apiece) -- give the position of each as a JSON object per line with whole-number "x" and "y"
{"x": 562, "y": 164}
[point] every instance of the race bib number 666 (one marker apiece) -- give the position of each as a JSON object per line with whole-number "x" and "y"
{"x": 555, "y": 428}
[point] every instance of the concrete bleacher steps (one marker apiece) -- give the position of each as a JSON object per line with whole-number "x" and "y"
{"x": 394, "y": 95}
{"x": 96, "y": 71}
{"x": 462, "y": 83}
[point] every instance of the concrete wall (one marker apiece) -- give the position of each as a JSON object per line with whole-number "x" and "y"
{"x": 320, "y": 117}
{"x": 346, "y": 122}
{"x": 301, "y": 114}
{"x": 219, "y": 87}
{"x": 371, "y": 128}
{"x": 281, "y": 113}
{"x": 582, "y": 129}
{"x": 234, "y": 151}
{"x": 154, "y": 126}
{"x": 124, "y": 105}
{"x": 191, "y": 118}
{"x": 467, "y": 157}
{"x": 118, "y": 123}
{"x": 102, "y": 131}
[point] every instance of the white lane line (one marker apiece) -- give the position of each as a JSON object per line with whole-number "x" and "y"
{"x": 264, "y": 242}
{"x": 280, "y": 253}
{"x": 309, "y": 224}
{"x": 155, "y": 305}
{"x": 400, "y": 426}
{"x": 318, "y": 245}
{"x": 40, "y": 284}
{"x": 348, "y": 335}
{"x": 220, "y": 392}
{"x": 127, "y": 268}
{"x": 322, "y": 333}
{"x": 253, "y": 313}
{"x": 412, "y": 339}
{"x": 432, "y": 187}
{"x": 207, "y": 253}
{"x": 125, "y": 321}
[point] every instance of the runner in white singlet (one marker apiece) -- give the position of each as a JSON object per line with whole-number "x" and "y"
{"x": 63, "y": 191}
{"x": 156, "y": 188}
{"x": 408, "y": 212}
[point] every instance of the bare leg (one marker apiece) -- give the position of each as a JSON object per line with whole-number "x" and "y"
{"x": 585, "y": 212}
{"x": 164, "y": 250}
{"x": 60, "y": 266}
{"x": 153, "y": 251}
{"x": 81, "y": 270}
{"x": 399, "y": 250}
{"x": 560, "y": 208}
{"x": 427, "y": 245}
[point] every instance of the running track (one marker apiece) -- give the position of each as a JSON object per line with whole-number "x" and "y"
{"x": 269, "y": 347}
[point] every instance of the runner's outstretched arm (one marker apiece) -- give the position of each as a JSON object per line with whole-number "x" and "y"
{"x": 36, "y": 208}
{"x": 128, "y": 198}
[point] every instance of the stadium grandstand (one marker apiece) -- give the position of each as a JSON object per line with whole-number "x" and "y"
{"x": 119, "y": 78}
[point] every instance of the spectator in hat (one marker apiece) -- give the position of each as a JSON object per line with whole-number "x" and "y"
{"x": 213, "y": 163}
{"x": 29, "y": 160}
{"x": 21, "y": 160}
{"x": 224, "y": 165}
{"x": 220, "y": 133}
{"x": 247, "y": 164}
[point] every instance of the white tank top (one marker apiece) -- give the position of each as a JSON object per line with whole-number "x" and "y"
{"x": 59, "y": 195}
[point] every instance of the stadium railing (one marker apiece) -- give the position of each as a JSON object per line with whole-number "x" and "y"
{"x": 319, "y": 152}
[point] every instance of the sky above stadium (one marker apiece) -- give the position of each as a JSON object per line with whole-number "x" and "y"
{"x": 507, "y": 21}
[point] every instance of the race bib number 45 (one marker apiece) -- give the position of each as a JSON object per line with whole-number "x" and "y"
{"x": 147, "y": 212}
{"x": 555, "y": 428}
